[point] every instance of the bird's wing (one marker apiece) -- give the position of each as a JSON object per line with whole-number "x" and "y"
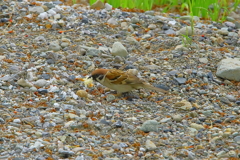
{"x": 120, "y": 77}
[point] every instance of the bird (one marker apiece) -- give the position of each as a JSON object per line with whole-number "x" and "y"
{"x": 121, "y": 81}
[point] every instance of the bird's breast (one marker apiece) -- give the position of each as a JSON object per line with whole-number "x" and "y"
{"x": 118, "y": 87}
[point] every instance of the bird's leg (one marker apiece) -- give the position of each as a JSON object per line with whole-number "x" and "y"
{"x": 119, "y": 94}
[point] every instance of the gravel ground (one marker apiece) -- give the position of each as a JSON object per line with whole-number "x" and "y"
{"x": 48, "y": 113}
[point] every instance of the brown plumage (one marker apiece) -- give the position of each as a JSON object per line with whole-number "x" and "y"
{"x": 121, "y": 81}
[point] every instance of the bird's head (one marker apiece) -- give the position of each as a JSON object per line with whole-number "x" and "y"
{"x": 98, "y": 74}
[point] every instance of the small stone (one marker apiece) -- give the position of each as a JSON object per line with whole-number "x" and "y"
{"x": 116, "y": 146}
{"x": 135, "y": 20}
{"x": 107, "y": 152}
{"x": 92, "y": 52}
{"x": 191, "y": 99}
{"x": 203, "y": 60}
{"x": 38, "y": 9}
{"x": 150, "y": 145}
{"x": 119, "y": 50}
{"x": 237, "y": 139}
{"x": 24, "y": 83}
{"x": 42, "y": 91}
{"x": 118, "y": 59}
{"x": 2, "y": 57}
{"x": 229, "y": 69}
{"x": 3, "y": 51}
{"x": 221, "y": 154}
{"x": 152, "y": 26}
{"x": 110, "y": 97}
{"x": 164, "y": 120}
{"x": 132, "y": 40}
{"x": 54, "y": 46}
{"x": 133, "y": 72}
{"x": 108, "y": 7}
{"x": 223, "y": 32}
{"x": 196, "y": 126}
{"x": 41, "y": 83}
{"x": 97, "y": 5}
{"x": 224, "y": 100}
{"x": 195, "y": 18}
{"x": 150, "y": 126}
{"x": 180, "y": 80}
{"x": 185, "y": 105}
{"x": 65, "y": 153}
{"x": 177, "y": 118}
{"x": 150, "y": 13}
{"x": 82, "y": 93}
{"x": 207, "y": 113}
{"x": 118, "y": 124}
{"x": 112, "y": 21}
{"x": 232, "y": 154}
{"x": 186, "y": 31}
{"x": 61, "y": 23}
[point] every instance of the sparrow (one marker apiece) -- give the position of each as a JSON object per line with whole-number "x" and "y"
{"x": 121, "y": 81}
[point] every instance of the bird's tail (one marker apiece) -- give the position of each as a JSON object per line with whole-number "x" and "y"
{"x": 150, "y": 87}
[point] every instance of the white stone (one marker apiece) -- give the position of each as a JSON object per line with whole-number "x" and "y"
{"x": 132, "y": 40}
{"x": 24, "y": 83}
{"x": 112, "y": 21}
{"x": 119, "y": 50}
{"x": 196, "y": 126}
{"x": 43, "y": 15}
{"x": 2, "y": 57}
{"x": 53, "y": 89}
{"x": 229, "y": 69}
{"x": 51, "y": 12}
{"x": 57, "y": 16}
{"x": 54, "y": 46}
{"x": 186, "y": 31}
{"x": 203, "y": 60}
{"x": 150, "y": 145}
{"x": 41, "y": 83}
{"x": 152, "y": 26}
{"x": 37, "y": 145}
{"x": 108, "y": 6}
{"x": 37, "y": 9}
{"x": 124, "y": 25}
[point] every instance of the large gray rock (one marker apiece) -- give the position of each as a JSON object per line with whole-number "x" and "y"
{"x": 229, "y": 69}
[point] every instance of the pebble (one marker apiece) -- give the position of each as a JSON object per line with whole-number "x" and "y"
{"x": 97, "y": 5}
{"x": 203, "y": 60}
{"x": 177, "y": 118}
{"x": 82, "y": 93}
{"x": 110, "y": 97}
{"x": 119, "y": 50}
{"x": 150, "y": 126}
{"x": 180, "y": 80}
{"x": 229, "y": 69}
{"x": 41, "y": 83}
{"x": 184, "y": 105}
{"x": 237, "y": 139}
{"x": 150, "y": 145}
{"x": 196, "y": 126}
{"x": 186, "y": 31}
{"x": 91, "y": 52}
{"x": 24, "y": 83}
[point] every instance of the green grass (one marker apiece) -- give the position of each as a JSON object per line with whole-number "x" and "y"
{"x": 215, "y": 10}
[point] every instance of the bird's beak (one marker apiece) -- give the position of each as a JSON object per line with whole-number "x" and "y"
{"x": 89, "y": 77}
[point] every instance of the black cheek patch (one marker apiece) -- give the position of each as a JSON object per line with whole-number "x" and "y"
{"x": 97, "y": 77}
{"x": 100, "y": 77}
